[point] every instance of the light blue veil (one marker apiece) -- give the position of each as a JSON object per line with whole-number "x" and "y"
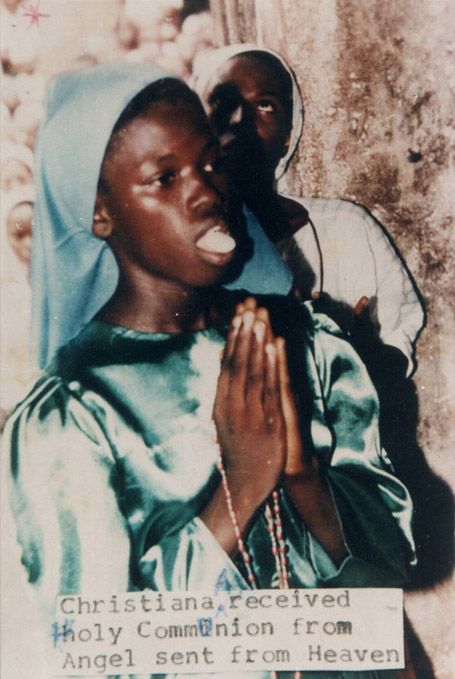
{"x": 73, "y": 272}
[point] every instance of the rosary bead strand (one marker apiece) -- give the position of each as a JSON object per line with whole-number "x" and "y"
{"x": 280, "y": 539}
{"x": 232, "y": 515}
{"x": 275, "y": 530}
{"x": 275, "y": 548}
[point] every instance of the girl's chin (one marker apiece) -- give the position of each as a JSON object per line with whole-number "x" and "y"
{"x": 219, "y": 272}
{"x": 218, "y": 259}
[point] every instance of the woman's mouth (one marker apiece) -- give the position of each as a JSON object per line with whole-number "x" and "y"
{"x": 217, "y": 243}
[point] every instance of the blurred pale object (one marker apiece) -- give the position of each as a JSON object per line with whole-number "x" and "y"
{"x": 172, "y": 5}
{"x": 6, "y": 117}
{"x": 187, "y": 45}
{"x": 15, "y": 296}
{"x": 200, "y": 57}
{"x": 25, "y": 123}
{"x": 83, "y": 61}
{"x": 146, "y": 53}
{"x": 30, "y": 88}
{"x": 96, "y": 46}
{"x": 127, "y": 33}
{"x": 201, "y": 25}
{"x": 16, "y": 166}
{"x": 146, "y": 17}
{"x": 168, "y": 31}
{"x": 151, "y": 12}
{"x": 9, "y": 91}
{"x": 20, "y": 44}
{"x": 170, "y": 59}
{"x": 196, "y": 35}
{"x": 12, "y": 5}
{"x": 18, "y": 213}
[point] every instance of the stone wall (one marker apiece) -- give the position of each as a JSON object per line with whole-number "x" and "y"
{"x": 378, "y": 82}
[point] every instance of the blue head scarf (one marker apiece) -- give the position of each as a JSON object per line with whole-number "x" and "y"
{"x": 73, "y": 272}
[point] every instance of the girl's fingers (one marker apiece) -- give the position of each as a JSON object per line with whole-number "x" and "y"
{"x": 295, "y": 463}
{"x": 231, "y": 382}
{"x": 255, "y": 380}
{"x": 272, "y": 410}
{"x": 238, "y": 363}
{"x": 283, "y": 373}
{"x": 229, "y": 348}
{"x": 232, "y": 338}
{"x": 244, "y": 369}
{"x": 263, "y": 314}
{"x": 249, "y": 304}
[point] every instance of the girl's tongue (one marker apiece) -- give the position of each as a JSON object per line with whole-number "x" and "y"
{"x": 216, "y": 240}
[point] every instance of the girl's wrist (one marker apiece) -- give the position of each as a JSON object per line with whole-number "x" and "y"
{"x": 307, "y": 476}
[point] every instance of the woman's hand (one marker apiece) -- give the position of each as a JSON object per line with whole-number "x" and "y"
{"x": 248, "y": 413}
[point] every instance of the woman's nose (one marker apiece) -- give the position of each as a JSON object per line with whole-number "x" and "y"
{"x": 227, "y": 107}
{"x": 238, "y": 115}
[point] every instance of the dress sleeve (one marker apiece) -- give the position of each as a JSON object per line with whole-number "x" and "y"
{"x": 75, "y": 533}
{"x": 374, "y": 507}
{"x": 60, "y": 480}
{"x": 190, "y": 559}
{"x": 398, "y": 310}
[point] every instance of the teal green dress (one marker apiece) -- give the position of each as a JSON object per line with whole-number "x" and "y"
{"x": 112, "y": 459}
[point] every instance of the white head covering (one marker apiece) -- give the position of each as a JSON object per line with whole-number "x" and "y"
{"x": 209, "y": 62}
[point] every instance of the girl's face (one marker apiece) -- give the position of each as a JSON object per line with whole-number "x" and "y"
{"x": 165, "y": 198}
{"x": 262, "y": 97}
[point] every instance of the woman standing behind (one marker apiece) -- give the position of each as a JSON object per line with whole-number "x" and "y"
{"x": 333, "y": 247}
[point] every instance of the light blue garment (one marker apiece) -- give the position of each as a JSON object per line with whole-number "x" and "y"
{"x": 73, "y": 272}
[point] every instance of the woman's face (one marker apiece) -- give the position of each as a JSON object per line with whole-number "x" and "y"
{"x": 166, "y": 197}
{"x": 262, "y": 98}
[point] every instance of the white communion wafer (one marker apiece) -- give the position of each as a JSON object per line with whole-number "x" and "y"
{"x": 216, "y": 240}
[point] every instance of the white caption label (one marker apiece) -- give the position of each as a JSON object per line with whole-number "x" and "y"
{"x": 243, "y": 631}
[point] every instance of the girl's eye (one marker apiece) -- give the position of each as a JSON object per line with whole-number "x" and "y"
{"x": 265, "y": 106}
{"x": 164, "y": 180}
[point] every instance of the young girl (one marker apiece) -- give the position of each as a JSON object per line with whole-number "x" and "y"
{"x": 332, "y": 246}
{"x": 160, "y": 443}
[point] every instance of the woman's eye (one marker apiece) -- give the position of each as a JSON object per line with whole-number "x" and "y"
{"x": 265, "y": 106}
{"x": 213, "y": 166}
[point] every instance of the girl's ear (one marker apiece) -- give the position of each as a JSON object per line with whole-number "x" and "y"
{"x": 103, "y": 224}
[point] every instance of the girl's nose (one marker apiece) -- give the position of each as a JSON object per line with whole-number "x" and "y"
{"x": 201, "y": 197}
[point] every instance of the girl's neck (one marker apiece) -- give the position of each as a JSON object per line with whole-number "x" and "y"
{"x": 159, "y": 305}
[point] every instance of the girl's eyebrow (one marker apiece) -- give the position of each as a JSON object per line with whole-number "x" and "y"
{"x": 212, "y": 143}
{"x": 164, "y": 158}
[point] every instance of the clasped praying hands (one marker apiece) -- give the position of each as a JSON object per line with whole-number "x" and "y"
{"x": 259, "y": 437}
{"x": 254, "y": 411}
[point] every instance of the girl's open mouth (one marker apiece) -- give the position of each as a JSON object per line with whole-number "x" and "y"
{"x": 217, "y": 242}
